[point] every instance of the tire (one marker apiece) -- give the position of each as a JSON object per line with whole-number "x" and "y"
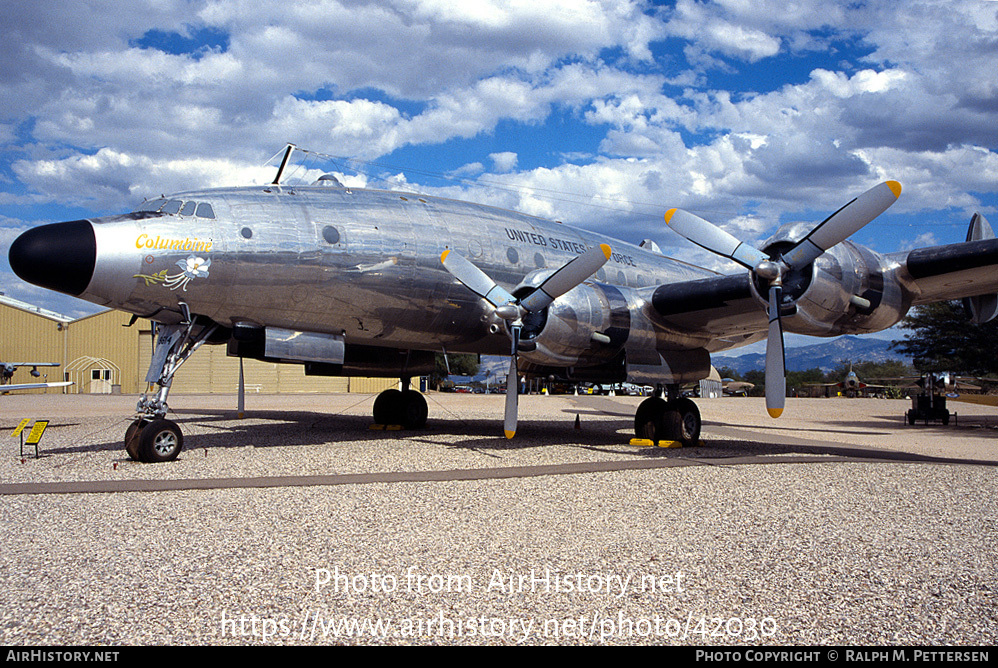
{"x": 649, "y": 420}
{"x": 413, "y": 410}
{"x": 387, "y": 407}
{"x": 132, "y": 439}
{"x": 160, "y": 441}
{"x": 687, "y": 422}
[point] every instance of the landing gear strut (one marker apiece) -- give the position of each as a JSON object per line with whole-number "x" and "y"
{"x": 677, "y": 419}
{"x": 151, "y": 437}
{"x": 405, "y": 407}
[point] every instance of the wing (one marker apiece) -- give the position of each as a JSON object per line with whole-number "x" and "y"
{"x": 4, "y": 389}
{"x": 954, "y": 271}
{"x": 851, "y": 290}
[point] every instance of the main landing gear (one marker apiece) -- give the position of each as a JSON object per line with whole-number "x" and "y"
{"x": 405, "y": 407}
{"x": 151, "y": 437}
{"x": 677, "y": 419}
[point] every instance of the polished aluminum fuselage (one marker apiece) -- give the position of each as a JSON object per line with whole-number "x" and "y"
{"x": 363, "y": 264}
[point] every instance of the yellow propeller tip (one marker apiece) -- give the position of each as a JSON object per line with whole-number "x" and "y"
{"x": 509, "y": 434}
{"x": 895, "y": 188}
{"x": 774, "y": 412}
{"x": 606, "y": 250}
{"x": 669, "y": 214}
{"x": 443, "y": 257}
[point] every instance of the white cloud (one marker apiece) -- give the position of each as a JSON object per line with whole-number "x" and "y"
{"x": 504, "y": 161}
{"x": 110, "y": 122}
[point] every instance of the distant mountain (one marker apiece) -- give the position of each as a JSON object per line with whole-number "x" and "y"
{"x": 826, "y": 356}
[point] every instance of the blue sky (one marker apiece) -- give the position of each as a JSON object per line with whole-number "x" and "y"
{"x": 602, "y": 114}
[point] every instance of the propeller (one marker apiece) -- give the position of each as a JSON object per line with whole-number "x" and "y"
{"x": 512, "y": 310}
{"x": 770, "y": 271}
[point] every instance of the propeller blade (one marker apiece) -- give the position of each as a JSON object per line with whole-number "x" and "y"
{"x": 567, "y": 277}
{"x": 776, "y": 377}
{"x": 713, "y": 238}
{"x": 475, "y": 279}
{"x": 843, "y": 223}
{"x": 512, "y": 390}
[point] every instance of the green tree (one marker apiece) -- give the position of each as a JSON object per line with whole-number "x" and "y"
{"x": 943, "y": 338}
{"x": 460, "y": 365}
{"x": 728, "y": 372}
{"x": 758, "y": 377}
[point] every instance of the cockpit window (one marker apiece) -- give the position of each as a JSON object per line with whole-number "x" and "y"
{"x": 176, "y": 206}
{"x": 172, "y": 207}
{"x": 205, "y": 210}
{"x": 152, "y": 205}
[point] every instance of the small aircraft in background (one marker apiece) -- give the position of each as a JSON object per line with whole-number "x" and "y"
{"x": 735, "y": 388}
{"x": 7, "y": 370}
{"x": 851, "y": 386}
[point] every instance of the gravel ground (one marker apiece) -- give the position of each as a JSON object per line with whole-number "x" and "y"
{"x": 746, "y": 545}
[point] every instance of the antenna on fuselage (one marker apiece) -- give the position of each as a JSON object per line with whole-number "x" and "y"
{"x": 284, "y": 162}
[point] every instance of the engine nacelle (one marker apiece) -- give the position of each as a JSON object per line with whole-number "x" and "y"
{"x": 587, "y": 326}
{"x": 603, "y": 333}
{"x": 848, "y": 290}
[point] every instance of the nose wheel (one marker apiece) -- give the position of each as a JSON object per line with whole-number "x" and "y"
{"x": 152, "y": 441}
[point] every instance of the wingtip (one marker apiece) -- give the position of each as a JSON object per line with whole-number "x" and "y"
{"x": 895, "y": 188}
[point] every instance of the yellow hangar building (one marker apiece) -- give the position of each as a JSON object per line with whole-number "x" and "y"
{"x": 102, "y": 354}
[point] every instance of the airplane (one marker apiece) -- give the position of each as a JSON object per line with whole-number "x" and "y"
{"x": 7, "y": 370}
{"x": 851, "y": 385}
{"x": 735, "y": 388}
{"x": 373, "y": 282}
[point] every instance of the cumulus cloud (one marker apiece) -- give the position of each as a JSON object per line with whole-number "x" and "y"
{"x": 96, "y": 115}
{"x": 504, "y": 162}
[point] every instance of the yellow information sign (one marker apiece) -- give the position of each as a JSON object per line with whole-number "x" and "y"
{"x": 36, "y": 432}
{"x": 20, "y": 427}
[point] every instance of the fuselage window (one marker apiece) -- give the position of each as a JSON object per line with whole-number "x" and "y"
{"x": 205, "y": 211}
{"x": 512, "y": 255}
{"x": 246, "y": 232}
{"x": 331, "y": 234}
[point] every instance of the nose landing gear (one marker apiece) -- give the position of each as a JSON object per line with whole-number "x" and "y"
{"x": 151, "y": 437}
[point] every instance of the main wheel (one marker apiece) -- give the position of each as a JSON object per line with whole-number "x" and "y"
{"x": 687, "y": 423}
{"x": 160, "y": 441}
{"x": 649, "y": 420}
{"x": 413, "y": 410}
{"x": 387, "y": 407}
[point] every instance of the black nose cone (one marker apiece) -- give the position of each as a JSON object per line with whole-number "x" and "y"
{"x": 59, "y": 257}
